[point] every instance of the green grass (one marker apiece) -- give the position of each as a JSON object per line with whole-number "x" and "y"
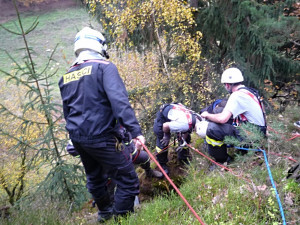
{"x": 57, "y": 27}
{"x": 218, "y": 197}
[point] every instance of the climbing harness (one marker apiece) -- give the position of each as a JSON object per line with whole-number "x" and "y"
{"x": 188, "y": 114}
{"x": 257, "y": 98}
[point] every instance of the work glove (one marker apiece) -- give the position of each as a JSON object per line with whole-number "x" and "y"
{"x": 138, "y": 142}
{"x": 71, "y": 149}
{"x": 166, "y": 139}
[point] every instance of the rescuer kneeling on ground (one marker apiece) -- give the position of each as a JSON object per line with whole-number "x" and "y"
{"x": 243, "y": 105}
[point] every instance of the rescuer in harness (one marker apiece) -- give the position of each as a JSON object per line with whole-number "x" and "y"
{"x": 175, "y": 118}
{"x": 95, "y": 105}
{"x": 243, "y": 105}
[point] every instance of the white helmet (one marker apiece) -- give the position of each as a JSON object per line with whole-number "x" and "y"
{"x": 88, "y": 38}
{"x": 201, "y": 127}
{"x": 232, "y": 76}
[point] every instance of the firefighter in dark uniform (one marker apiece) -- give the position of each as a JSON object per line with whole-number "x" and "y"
{"x": 95, "y": 105}
{"x": 180, "y": 120}
{"x": 139, "y": 157}
{"x": 243, "y": 105}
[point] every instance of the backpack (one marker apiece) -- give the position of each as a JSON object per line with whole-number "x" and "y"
{"x": 259, "y": 98}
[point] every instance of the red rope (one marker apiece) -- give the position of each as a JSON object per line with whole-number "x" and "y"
{"x": 162, "y": 150}
{"x": 137, "y": 155}
{"x": 287, "y": 157}
{"x": 224, "y": 167}
{"x": 293, "y": 137}
{"x": 171, "y": 182}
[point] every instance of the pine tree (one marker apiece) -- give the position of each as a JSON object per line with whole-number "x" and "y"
{"x": 257, "y": 36}
{"x": 33, "y": 131}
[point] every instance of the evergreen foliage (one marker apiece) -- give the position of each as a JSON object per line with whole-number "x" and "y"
{"x": 165, "y": 29}
{"x": 251, "y": 137}
{"x": 253, "y": 35}
{"x": 39, "y": 138}
{"x": 218, "y": 197}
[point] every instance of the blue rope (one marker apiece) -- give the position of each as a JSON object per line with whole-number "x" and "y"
{"x": 271, "y": 178}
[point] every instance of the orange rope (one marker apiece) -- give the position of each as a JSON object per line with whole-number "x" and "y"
{"x": 293, "y": 137}
{"x": 224, "y": 167}
{"x": 162, "y": 150}
{"x": 287, "y": 157}
{"x": 171, "y": 182}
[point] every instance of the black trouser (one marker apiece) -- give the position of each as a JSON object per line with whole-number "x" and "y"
{"x": 162, "y": 156}
{"x": 140, "y": 158}
{"x": 215, "y": 135}
{"x": 101, "y": 161}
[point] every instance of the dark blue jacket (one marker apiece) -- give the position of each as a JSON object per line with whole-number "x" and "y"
{"x": 161, "y": 118}
{"x": 94, "y": 101}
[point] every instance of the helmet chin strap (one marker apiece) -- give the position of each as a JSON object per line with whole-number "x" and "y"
{"x": 105, "y": 54}
{"x": 104, "y": 51}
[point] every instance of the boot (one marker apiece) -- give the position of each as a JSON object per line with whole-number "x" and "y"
{"x": 183, "y": 156}
{"x": 103, "y": 219}
{"x": 166, "y": 168}
{"x": 104, "y": 205}
{"x": 229, "y": 160}
{"x": 153, "y": 173}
